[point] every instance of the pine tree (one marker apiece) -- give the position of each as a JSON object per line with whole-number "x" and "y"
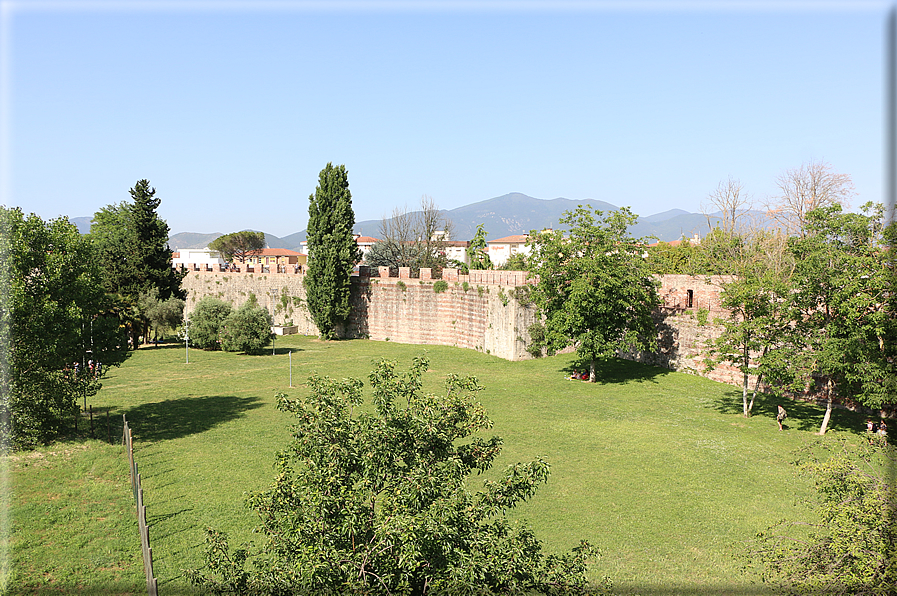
{"x": 332, "y": 250}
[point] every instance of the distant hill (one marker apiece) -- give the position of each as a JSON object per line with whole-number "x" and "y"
{"x": 191, "y": 240}
{"x": 82, "y": 223}
{"x": 510, "y": 214}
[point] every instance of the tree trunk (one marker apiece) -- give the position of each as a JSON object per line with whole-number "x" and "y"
{"x": 593, "y": 376}
{"x": 754, "y": 396}
{"x": 828, "y": 408}
{"x": 744, "y": 382}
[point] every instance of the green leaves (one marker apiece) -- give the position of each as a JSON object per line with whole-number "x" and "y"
{"x": 332, "y": 249}
{"x": 378, "y": 503}
{"x": 53, "y": 314}
{"x": 594, "y": 289}
{"x": 239, "y": 245}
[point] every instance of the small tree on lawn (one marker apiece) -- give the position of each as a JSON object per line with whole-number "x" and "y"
{"x": 378, "y": 502}
{"x": 840, "y": 326}
{"x": 206, "y": 320}
{"x": 247, "y": 329}
{"x": 332, "y": 250}
{"x": 594, "y": 289}
{"x": 757, "y": 300}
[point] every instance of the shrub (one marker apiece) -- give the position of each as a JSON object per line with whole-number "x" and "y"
{"x": 205, "y": 322}
{"x": 440, "y": 286}
{"x": 248, "y": 329}
{"x": 377, "y": 501}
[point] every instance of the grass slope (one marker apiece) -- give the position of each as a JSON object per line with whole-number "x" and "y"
{"x": 656, "y": 468}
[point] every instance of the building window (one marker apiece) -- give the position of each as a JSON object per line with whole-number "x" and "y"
{"x": 689, "y": 298}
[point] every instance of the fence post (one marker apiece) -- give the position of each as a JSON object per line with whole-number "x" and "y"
{"x": 152, "y": 584}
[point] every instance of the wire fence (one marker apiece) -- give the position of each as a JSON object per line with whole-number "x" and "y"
{"x": 151, "y": 583}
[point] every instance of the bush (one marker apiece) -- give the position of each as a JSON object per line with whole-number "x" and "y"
{"x": 376, "y": 501}
{"x": 205, "y": 322}
{"x": 248, "y": 329}
{"x": 440, "y": 286}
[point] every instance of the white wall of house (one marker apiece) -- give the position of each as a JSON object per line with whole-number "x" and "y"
{"x": 198, "y": 256}
{"x": 502, "y": 249}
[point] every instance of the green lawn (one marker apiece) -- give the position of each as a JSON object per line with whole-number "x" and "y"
{"x": 658, "y": 469}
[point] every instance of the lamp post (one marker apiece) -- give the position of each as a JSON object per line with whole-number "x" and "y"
{"x": 187, "y": 338}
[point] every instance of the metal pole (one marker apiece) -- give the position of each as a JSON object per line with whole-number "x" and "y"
{"x": 291, "y": 368}
{"x": 187, "y": 339}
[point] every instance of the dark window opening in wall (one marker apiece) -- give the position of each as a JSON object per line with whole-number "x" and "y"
{"x": 689, "y": 298}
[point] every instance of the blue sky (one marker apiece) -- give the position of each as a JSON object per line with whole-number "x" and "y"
{"x": 232, "y": 109}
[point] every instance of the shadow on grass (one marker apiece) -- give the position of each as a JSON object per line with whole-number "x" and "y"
{"x": 802, "y": 415}
{"x": 618, "y": 371}
{"x": 175, "y": 418}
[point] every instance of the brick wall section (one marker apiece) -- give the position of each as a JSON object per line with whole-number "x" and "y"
{"x": 486, "y": 317}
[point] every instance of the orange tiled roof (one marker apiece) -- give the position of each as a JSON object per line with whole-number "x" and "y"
{"x": 276, "y": 252}
{"x": 509, "y": 239}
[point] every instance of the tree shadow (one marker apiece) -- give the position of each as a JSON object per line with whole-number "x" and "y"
{"x": 619, "y": 371}
{"x": 802, "y": 415}
{"x": 176, "y": 418}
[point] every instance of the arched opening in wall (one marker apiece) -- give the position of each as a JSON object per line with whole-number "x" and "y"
{"x": 689, "y": 298}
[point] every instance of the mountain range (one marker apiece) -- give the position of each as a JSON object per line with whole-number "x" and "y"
{"x": 510, "y": 214}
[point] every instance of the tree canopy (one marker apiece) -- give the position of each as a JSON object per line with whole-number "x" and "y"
{"x": 332, "y": 250}
{"x": 378, "y": 501}
{"x": 595, "y": 289}
{"x": 54, "y": 319}
{"x": 131, "y": 241}
{"x": 239, "y": 245}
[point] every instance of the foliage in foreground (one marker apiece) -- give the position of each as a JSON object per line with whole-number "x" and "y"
{"x": 853, "y": 549}
{"x": 377, "y": 503}
{"x": 54, "y": 319}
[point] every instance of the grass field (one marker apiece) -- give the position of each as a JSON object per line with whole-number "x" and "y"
{"x": 658, "y": 469}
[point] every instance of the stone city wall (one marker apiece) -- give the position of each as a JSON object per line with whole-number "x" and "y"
{"x": 478, "y": 311}
{"x": 484, "y": 310}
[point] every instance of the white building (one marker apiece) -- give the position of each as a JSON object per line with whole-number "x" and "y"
{"x": 502, "y": 249}
{"x": 196, "y": 256}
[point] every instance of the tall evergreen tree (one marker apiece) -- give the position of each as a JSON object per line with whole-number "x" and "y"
{"x": 132, "y": 245}
{"x": 153, "y": 266}
{"x": 332, "y": 250}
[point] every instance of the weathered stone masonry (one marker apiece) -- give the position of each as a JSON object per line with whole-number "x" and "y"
{"x": 479, "y": 311}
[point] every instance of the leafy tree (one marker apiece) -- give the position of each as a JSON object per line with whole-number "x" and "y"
{"x": 54, "y": 317}
{"x": 852, "y": 549}
{"x": 756, "y": 299}
{"x": 594, "y": 289}
{"x": 239, "y": 245}
{"x": 379, "y": 503}
{"x": 247, "y": 329}
{"x": 840, "y": 325}
{"x": 162, "y": 314}
{"x": 206, "y": 320}
{"x": 516, "y": 262}
{"x": 477, "y": 254}
{"x": 332, "y": 249}
{"x": 131, "y": 241}
{"x": 682, "y": 259}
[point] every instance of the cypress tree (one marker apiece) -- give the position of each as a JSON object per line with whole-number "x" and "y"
{"x": 332, "y": 250}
